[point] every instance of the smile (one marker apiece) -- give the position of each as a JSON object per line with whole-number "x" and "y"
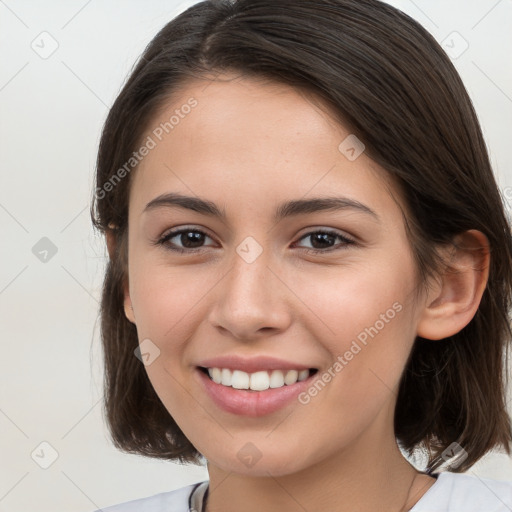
{"x": 257, "y": 381}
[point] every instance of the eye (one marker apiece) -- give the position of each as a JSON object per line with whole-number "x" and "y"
{"x": 323, "y": 240}
{"x": 191, "y": 240}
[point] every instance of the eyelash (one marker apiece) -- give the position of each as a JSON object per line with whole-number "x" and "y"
{"x": 164, "y": 241}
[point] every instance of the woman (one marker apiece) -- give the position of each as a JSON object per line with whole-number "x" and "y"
{"x": 310, "y": 265}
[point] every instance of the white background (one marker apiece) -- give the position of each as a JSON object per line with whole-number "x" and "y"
{"x": 51, "y": 114}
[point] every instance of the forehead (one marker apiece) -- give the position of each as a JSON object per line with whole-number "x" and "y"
{"x": 255, "y": 140}
{"x": 247, "y": 111}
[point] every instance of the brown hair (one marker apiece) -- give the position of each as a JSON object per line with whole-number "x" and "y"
{"x": 391, "y": 83}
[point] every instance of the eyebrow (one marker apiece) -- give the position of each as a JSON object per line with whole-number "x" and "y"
{"x": 284, "y": 210}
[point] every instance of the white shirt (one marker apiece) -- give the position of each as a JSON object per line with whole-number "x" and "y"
{"x": 452, "y": 492}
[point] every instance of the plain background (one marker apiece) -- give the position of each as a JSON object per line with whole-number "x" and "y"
{"x": 52, "y": 110}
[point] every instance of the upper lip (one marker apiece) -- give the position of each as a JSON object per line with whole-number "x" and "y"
{"x": 252, "y": 364}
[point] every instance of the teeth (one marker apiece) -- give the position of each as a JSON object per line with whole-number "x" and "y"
{"x": 216, "y": 375}
{"x": 291, "y": 377}
{"x": 258, "y": 381}
{"x": 276, "y": 379}
{"x": 303, "y": 375}
{"x": 240, "y": 380}
{"x": 226, "y": 377}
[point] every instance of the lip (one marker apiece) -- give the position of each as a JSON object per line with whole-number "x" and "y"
{"x": 252, "y": 364}
{"x": 252, "y": 403}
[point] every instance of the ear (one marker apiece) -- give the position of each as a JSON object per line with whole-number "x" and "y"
{"x": 128, "y": 308}
{"x": 453, "y": 301}
{"x": 111, "y": 239}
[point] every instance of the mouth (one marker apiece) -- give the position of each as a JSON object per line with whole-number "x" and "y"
{"x": 257, "y": 381}
{"x": 256, "y": 394}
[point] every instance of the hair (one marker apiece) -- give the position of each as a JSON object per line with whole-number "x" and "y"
{"x": 387, "y": 80}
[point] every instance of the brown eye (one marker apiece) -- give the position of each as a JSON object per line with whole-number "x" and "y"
{"x": 191, "y": 240}
{"x": 324, "y": 240}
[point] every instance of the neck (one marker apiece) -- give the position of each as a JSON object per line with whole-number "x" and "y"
{"x": 371, "y": 474}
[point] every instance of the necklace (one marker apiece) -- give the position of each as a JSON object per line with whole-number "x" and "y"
{"x": 403, "y": 509}
{"x": 199, "y": 497}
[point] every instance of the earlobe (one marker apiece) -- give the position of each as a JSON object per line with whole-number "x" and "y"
{"x": 128, "y": 308}
{"x": 111, "y": 240}
{"x": 454, "y": 300}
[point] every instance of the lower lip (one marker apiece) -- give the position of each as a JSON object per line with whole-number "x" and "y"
{"x": 252, "y": 403}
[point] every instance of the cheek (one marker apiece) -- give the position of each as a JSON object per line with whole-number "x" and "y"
{"x": 166, "y": 307}
{"x": 365, "y": 321}
{"x": 165, "y": 299}
{"x": 356, "y": 301}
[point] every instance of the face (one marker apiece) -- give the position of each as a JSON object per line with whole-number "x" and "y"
{"x": 321, "y": 297}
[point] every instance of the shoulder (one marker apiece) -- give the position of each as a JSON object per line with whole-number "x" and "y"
{"x": 462, "y": 492}
{"x": 171, "y": 501}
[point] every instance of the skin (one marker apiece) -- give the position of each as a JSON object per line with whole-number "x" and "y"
{"x": 248, "y": 146}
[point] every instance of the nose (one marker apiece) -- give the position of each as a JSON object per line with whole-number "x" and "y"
{"x": 252, "y": 300}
